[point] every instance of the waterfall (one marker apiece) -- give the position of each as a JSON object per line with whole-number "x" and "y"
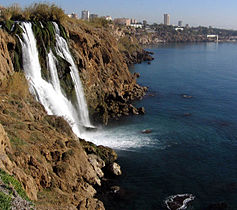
{"x": 63, "y": 51}
{"x": 49, "y": 93}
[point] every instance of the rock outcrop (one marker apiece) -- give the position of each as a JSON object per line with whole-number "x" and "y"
{"x": 6, "y": 65}
{"x": 109, "y": 86}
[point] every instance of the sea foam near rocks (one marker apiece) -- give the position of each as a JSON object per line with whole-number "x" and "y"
{"x": 179, "y": 201}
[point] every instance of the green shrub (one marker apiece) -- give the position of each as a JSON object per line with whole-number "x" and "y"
{"x": 11, "y": 181}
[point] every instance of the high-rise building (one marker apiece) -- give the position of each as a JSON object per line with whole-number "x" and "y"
{"x": 180, "y": 22}
{"x": 85, "y": 15}
{"x": 167, "y": 19}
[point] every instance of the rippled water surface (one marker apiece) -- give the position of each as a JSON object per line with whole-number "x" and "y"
{"x": 193, "y": 144}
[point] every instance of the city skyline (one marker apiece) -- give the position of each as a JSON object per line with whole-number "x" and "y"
{"x": 215, "y": 13}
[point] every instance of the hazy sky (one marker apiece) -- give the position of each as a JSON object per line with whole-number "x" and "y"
{"x": 218, "y": 13}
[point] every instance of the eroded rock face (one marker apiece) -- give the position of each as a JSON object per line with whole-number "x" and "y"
{"x": 42, "y": 156}
{"x": 109, "y": 86}
{"x": 6, "y": 66}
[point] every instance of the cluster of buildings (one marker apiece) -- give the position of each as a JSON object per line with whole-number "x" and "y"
{"x": 85, "y": 15}
{"x": 128, "y": 22}
{"x": 167, "y": 22}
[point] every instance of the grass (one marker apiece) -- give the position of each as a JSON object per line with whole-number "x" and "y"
{"x": 10, "y": 181}
{"x": 126, "y": 44}
{"x": 35, "y": 12}
{"x": 17, "y": 141}
{"x": 5, "y": 201}
{"x": 16, "y": 85}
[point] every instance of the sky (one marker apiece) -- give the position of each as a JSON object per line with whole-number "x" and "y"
{"x": 215, "y": 13}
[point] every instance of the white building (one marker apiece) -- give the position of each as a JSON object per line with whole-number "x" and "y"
{"x": 136, "y": 25}
{"x": 109, "y": 18}
{"x": 179, "y": 29}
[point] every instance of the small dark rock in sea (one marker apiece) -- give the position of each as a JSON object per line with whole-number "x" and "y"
{"x": 146, "y": 131}
{"x": 151, "y": 94}
{"x": 186, "y": 96}
{"x": 141, "y": 110}
{"x": 187, "y": 114}
{"x": 115, "y": 189}
{"x": 178, "y": 202}
{"x": 136, "y": 75}
{"x": 149, "y": 62}
{"x": 217, "y": 206}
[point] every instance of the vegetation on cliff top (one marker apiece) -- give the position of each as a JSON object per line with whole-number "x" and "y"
{"x": 35, "y": 12}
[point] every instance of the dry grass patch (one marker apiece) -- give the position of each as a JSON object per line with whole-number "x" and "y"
{"x": 16, "y": 85}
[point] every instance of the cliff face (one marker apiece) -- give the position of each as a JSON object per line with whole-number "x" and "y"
{"x": 109, "y": 86}
{"x": 6, "y": 65}
{"x": 56, "y": 169}
{"x": 41, "y": 151}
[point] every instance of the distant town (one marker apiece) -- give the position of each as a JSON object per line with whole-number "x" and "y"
{"x": 164, "y": 32}
{"x": 155, "y": 33}
{"x": 85, "y": 15}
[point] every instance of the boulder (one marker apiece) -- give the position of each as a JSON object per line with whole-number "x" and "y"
{"x": 114, "y": 169}
{"x": 141, "y": 110}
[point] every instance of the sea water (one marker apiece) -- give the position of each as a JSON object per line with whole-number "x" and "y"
{"x": 193, "y": 144}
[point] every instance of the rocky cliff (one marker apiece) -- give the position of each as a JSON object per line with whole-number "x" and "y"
{"x": 56, "y": 169}
{"x": 41, "y": 151}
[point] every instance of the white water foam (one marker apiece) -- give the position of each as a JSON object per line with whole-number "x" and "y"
{"x": 171, "y": 199}
{"x": 121, "y": 137}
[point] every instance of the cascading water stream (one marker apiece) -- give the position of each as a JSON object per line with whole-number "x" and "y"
{"x": 63, "y": 51}
{"x": 48, "y": 94}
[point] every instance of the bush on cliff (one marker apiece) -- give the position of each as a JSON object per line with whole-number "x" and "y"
{"x": 35, "y": 12}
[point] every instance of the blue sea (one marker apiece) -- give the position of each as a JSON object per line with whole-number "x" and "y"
{"x": 193, "y": 144}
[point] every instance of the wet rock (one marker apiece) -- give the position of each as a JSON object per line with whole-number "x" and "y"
{"x": 114, "y": 169}
{"x": 97, "y": 163}
{"x": 136, "y": 75}
{"x": 146, "y": 131}
{"x": 178, "y": 202}
{"x": 115, "y": 189}
{"x": 141, "y": 110}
